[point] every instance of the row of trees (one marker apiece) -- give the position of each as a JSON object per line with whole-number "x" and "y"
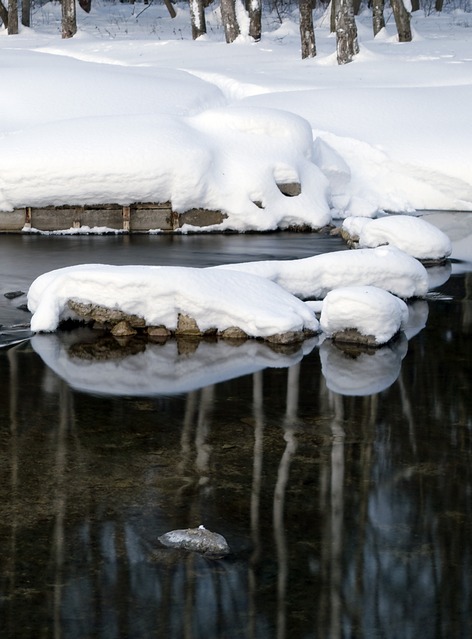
{"x": 342, "y": 21}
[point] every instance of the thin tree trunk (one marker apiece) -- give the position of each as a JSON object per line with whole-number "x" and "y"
{"x": 12, "y": 17}
{"x": 415, "y": 5}
{"x": 26, "y": 13}
{"x": 197, "y": 17}
{"x": 307, "y": 33}
{"x": 402, "y": 20}
{"x": 254, "y": 9}
{"x": 86, "y": 5}
{"x": 438, "y": 5}
{"x": 4, "y": 15}
{"x": 69, "y": 20}
{"x": 170, "y": 8}
{"x": 230, "y": 21}
{"x": 378, "y": 20}
{"x": 347, "y": 45}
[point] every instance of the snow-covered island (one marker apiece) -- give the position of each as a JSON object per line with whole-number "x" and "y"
{"x": 271, "y": 300}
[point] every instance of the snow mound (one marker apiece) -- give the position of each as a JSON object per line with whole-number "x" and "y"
{"x": 410, "y": 234}
{"x": 198, "y": 161}
{"x": 313, "y": 277}
{"x": 214, "y": 299}
{"x": 374, "y": 313}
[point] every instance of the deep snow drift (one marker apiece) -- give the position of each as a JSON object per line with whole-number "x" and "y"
{"x": 126, "y": 111}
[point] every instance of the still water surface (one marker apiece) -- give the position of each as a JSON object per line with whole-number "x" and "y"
{"x": 342, "y": 482}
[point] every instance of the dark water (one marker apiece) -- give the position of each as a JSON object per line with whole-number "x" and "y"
{"x": 342, "y": 482}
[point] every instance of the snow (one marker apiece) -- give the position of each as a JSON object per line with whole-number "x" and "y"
{"x": 413, "y": 235}
{"x": 368, "y": 309}
{"x": 261, "y": 298}
{"x": 313, "y": 277}
{"x": 215, "y": 299}
{"x": 131, "y": 109}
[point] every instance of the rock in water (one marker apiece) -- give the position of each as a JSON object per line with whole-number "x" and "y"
{"x": 198, "y": 540}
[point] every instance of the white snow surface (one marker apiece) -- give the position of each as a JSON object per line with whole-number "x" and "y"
{"x": 385, "y": 267}
{"x": 131, "y": 109}
{"x": 368, "y": 309}
{"x": 413, "y": 235}
{"x": 215, "y": 299}
{"x": 262, "y": 298}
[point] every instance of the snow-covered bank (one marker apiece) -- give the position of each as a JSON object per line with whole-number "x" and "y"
{"x": 125, "y": 112}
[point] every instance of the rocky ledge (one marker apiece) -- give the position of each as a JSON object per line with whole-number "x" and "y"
{"x": 121, "y": 324}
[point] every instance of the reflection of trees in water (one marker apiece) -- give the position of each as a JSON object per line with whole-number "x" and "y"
{"x": 347, "y": 515}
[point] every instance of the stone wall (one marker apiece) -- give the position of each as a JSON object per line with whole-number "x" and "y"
{"x": 136, "y": 218}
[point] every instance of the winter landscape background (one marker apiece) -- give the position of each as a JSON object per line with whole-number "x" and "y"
{"x": 132, "y": 109}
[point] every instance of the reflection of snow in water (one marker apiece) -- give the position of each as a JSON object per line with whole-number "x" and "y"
{"x": 365, "y": 374}
{"x": 372, "y": 371}
{"x": 160, "y": 369}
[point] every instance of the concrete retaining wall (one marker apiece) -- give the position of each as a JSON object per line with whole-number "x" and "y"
{"x": 136, "y": 218}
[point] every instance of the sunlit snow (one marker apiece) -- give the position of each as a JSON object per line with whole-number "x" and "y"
{"x": 369, "y": 310}
{"x": 131, "y": 109}
{"x": 261, "y": 298}
{"x": 413, "y": 235}
{"x": 215, "y": 299}
{"x": 313, "y": 277}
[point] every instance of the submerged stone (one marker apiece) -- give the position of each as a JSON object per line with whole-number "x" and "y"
{"x": 197, "y": 540}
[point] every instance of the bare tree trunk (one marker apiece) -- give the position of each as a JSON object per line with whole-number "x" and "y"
{"x": 438, "y": 5}
{"x": 378, "y": 20}
{"x": 307, "y": 33}
{"x": 4, "y": 14}
{"x": 170, "y": 8}
{"x": 86, "y": 5}
{"x": 230, "y": 21}
{"x": 197, "y": 17}
{"x": 12, "y": 17}
{"x": 26, "y": 13}
{"x": 346, "y": 31}
{"x": 415, "y": 5}
{"x": 402, "y": 20}
{"x": 69, "y": 20}
{"x": 254, "y": 9}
